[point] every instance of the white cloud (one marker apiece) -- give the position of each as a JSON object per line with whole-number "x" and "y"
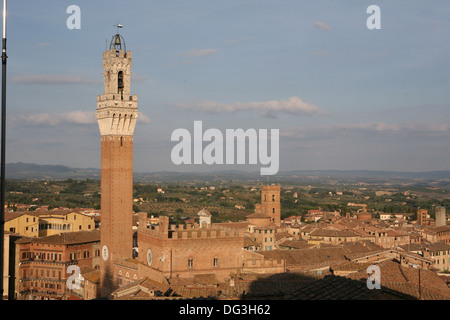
{"x": 322, "y": 25}
{"x": 293, "y": 105}
{"x": 48, "y": 119}
{"x": 53, "y": 79}
{"x": 143, "y": 118}
{"x": 43, "y": 44}
{"x": 356, "y": 129}
{"x": 57, "y": 119}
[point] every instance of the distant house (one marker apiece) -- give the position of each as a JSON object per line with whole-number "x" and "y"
{"x": 332, "y": 236}
{"x": 437, "y": 234}
{"x": 404, "y": 216}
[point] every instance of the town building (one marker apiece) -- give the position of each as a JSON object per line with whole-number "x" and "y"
{"x": 441, "y": 219}
{"x": 437, "y": 234}
{"x": 42, "y": 223}
{"x": 44, "y": 262}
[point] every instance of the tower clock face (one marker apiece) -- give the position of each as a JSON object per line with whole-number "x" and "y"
{"x": 105, "y": 252}
{"x": 149, "y": 257}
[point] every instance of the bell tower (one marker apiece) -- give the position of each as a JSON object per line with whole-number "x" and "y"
{"x": 271, "y": 202}
{"x": 116, "y": 116}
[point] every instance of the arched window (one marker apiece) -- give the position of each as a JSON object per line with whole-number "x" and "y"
{"x": 273, "y": 197}
{"x": 120, "y": 84}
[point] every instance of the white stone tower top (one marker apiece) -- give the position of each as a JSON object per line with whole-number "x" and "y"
{"x": 117, "y": 108}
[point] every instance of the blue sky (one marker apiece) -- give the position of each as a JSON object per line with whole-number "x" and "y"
{"x": 360, "y": 99}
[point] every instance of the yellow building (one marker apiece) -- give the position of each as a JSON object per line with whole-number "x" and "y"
{"x": 22, "y": 223}
{"x": 46, "y": 223}
{"x": 64, "y": 221}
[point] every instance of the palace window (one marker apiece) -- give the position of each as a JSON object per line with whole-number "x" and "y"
{"x": 191, "y": 263}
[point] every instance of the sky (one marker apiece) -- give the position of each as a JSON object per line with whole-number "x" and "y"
{"x": 343, "y": 96}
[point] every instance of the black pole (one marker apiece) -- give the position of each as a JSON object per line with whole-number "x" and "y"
{"x": 3, "y": 143}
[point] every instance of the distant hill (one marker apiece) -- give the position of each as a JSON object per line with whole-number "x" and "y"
{"x": 27, "y": 171}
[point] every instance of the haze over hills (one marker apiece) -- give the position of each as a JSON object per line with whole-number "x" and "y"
{"x": 27, "y": 171}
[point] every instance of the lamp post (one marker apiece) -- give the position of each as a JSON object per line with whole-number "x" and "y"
{"x": 3, "y": 145}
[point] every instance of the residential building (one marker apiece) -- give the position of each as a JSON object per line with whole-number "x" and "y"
{"x": 44, "y": 263}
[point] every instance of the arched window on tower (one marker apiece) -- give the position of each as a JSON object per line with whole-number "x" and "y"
{"x": 120, "y": 84}
{"x": 273, "y": 197}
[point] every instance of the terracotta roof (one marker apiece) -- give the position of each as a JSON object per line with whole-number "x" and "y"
{"x": 260, "y": 215}
{"x": 406, "y": 279}
{"x": 206, "y": 279}
{"x": 338, "y": 288}
{"x": 332, "y": 233}
{"x": 437, "y": 229}
{"x": 67, "y": 238}
{"x": 308, "y": 228}
{"x": 433, "y": 247}
{"x": 92, "y": 276}
{"x": 38, "y": 213}
{"x": 13, "y": 215}
{"x": 282, "y": 235}
{"x": 360, "y": 246}
{"x": 307, "y": 258}
{"x": 396, "y": 233}
{"x": 296, "y": 244}
{"x": 352, "y": 266}
{"x": 248, "y": 242}
{"x": 140, "y": 290}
